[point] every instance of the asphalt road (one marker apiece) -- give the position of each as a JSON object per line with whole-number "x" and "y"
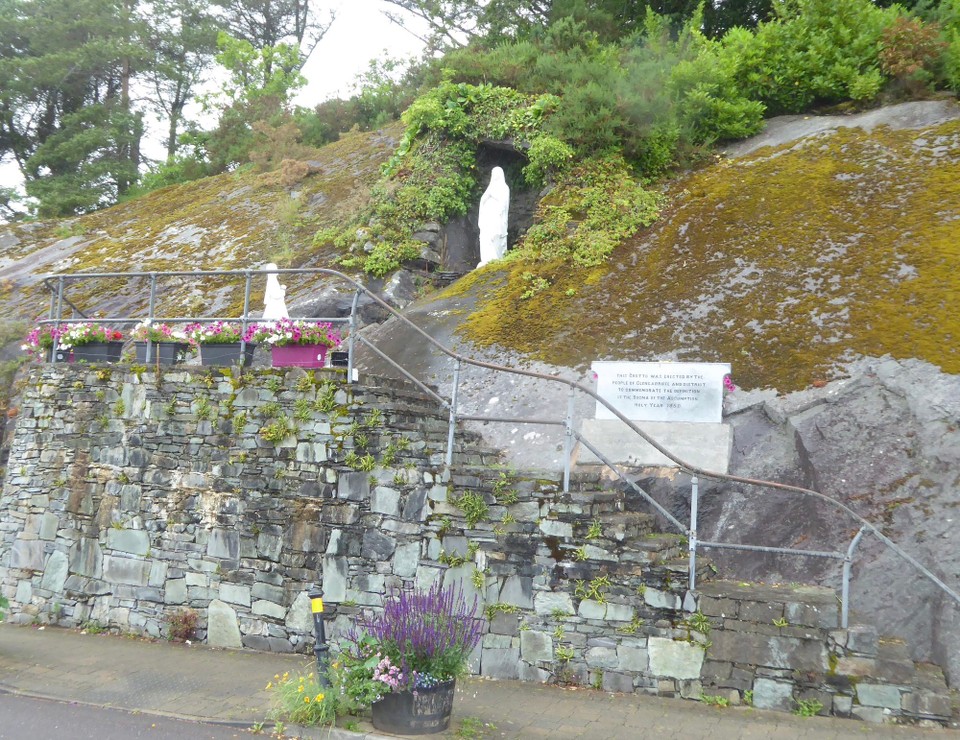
{"x": 26, "y": 718}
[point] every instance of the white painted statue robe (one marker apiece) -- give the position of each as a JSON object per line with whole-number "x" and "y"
{"x": 494, "y": 209}
{"x": 274, "y": 305}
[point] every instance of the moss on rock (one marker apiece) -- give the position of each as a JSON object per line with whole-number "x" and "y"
{"x": 785, "y": 263}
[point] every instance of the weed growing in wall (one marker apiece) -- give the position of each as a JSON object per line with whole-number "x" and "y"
{"x": 274, "y": 384}
{"x": 595, "y": 590}
{"x": 301, "y": 410}
{"x": 808, "y": 707}
{"x": 204, "y": 409}
{"x": 502, "y": 490}
{"x": 182, "y": 625}
{"x": 270, "y": 410}
{"x": 278, "y": 430}
{"x": 306, "y": 383}
{"x": 595, "y": 531}
{"x": 238, "y": 422}
{"x": 325, "y": 401}
{"x": 699, "y": 622}
{"x": 473, "y": 506}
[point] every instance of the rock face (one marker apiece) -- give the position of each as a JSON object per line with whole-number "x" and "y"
{"x": 883, "y": 442}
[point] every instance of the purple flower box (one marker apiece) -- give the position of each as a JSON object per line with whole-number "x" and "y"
{"x": 300, "y": 355}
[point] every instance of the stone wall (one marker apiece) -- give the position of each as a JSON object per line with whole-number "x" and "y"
{"x": 780, "y": 647}
{"x": 131, "y": 495}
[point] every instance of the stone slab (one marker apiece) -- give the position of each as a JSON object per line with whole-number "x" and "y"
{"x": 662, "y": 391}
{"x": 672, "y": 659}
{"x": 706, "y": 446}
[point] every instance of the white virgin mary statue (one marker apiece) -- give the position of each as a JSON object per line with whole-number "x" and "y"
{"x": 494, "y": 207}
{"x": 274, "y": 305}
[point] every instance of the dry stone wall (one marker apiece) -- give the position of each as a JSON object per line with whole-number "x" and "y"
{"x": 132, "y": 495}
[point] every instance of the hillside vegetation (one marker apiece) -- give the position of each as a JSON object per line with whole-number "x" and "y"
{"x": 644, "y": 244}
{"x": 786, "y": 262}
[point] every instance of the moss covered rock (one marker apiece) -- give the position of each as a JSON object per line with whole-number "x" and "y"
{"x": 786, "y": 262}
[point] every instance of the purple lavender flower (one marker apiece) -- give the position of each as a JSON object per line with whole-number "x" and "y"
{"x": 422, "y": 634}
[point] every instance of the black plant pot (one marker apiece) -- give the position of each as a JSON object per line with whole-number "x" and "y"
{"x": 420, "y": 712}
{"x": 92, "y": 352}
{"x": 165, "y": 353}
{"x": 226, "y": 354}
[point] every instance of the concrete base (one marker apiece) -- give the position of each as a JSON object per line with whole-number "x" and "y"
{"x": 706, "y": 446}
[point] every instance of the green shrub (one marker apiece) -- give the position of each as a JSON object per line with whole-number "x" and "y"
{"x": 910, "y": 52}
{"x": 815, "y": 51}
{"x": 602, "y": 204}
{"x": 304, "y": 701}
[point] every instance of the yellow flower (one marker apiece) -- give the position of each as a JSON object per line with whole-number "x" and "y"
{"x": 269, "y": 686}
{"x": 286, "y": 675}
{"x": 319, "y": 697}
{"x": 300, "y": 689}
{"x": 306, "y": 700}
{"x": 310, "y": 676}
{"x": 276, "y": 676}
{"x": 301, "y": 679}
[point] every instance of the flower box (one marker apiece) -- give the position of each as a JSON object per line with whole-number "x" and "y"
{"x": 226, "y": 354}
{"x": 417, "y": 712}
{"x": 163, "y": 353}
{"x": 94, "y": 352}
{"x": 295, "y": 343}
{"x": 299, "y": 355}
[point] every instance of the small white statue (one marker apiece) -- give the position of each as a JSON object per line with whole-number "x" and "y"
{"x": 494, "y": 209}
{"x": 274, "y": 305}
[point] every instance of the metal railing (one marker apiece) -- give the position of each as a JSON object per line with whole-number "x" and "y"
{"x": 57, "y": 284}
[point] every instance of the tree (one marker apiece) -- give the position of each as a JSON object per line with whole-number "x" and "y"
{"x": 61, "y": 58}
{"x": 87, "y": 163}
{"x": 182, "y": 40}
{"x": 453, "y": 24}
{"x": 272, "y": 23}
{"x": 260, "y": 86}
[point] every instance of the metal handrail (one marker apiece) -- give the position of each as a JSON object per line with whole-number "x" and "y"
{"x": 694, "y": 470}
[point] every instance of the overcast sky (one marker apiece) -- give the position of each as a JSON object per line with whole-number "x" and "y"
{"x": 360, "y": 33}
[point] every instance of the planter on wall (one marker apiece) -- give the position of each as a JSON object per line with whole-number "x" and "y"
{"x": 300, "y": 355}
{"x": 164, "y": 353}
{"x": 92, "y": 352}
{"x": 226, "y": 354}
{"x": 420, "y": 712}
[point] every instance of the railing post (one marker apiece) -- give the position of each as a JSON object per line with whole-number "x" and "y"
{"x": 353, "y": 329}
{"x": 568, "y": 440}
{"x": 244, "y": 317}
{"x": 453, "y": 413}
{"x": 845, "y": 587}
{"x": 58, "y": 317}
{"x": 151, "y": 309}
{"x": 692, "y": 540}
